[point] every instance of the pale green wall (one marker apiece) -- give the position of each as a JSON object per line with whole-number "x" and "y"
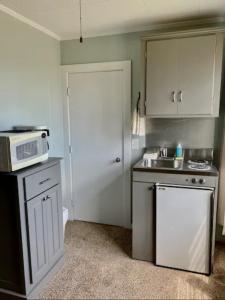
{"x": 128, "y": 47}
{"x": 107, "y": 48}
{"x": 30, "y": 82}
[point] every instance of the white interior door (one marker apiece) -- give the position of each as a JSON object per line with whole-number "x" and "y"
{"x": 96, "y": 105}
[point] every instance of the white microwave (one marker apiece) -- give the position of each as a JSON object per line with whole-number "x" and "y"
{"x": 20, "y": 150}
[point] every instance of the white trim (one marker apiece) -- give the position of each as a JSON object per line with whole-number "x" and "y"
{"x": 182, "y": 33}
{"x": 124, "y": 66}
{"x": 27, "y": 21}
{"x": 216, "y": 24}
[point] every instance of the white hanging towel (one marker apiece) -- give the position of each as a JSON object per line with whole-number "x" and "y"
{"x": 136, "y": 118}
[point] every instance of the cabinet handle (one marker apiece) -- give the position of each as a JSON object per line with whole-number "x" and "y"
{"x": 173, "y": 96}
{"x": 48, "y": 197}
{"x": 180, "y": 96}
{"x": 43, "y": 181}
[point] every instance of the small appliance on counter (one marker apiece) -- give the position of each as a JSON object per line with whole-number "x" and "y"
{"x": 22, "y": 147}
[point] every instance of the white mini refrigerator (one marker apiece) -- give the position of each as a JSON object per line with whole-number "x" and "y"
{"x": 183, "y": 227}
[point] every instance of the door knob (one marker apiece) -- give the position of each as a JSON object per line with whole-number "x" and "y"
{"x": 117, "y": 160}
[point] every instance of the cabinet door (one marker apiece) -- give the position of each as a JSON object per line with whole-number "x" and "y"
{"x": 53, "y": 207}
{"x": 37, "y": 238}
{"x": 196, "y": 63}
{"x": 161, "y": 77}
{"x": 143, "y": 242}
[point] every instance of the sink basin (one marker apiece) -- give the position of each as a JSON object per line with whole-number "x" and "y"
{"x": 166, "y": 163}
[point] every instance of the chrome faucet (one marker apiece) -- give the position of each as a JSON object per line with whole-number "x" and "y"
{"x": 163, "y": 152}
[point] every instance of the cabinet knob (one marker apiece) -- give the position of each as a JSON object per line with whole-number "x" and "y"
{"x": 194, "y": 180}
{"x": 151, "y": 188}
{"x": 117, "y": 160}
{"x": 46, "y": 198}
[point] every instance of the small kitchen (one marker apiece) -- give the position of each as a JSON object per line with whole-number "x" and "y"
{"x": 178, "y": 86}
{"x": 112, "y": 153}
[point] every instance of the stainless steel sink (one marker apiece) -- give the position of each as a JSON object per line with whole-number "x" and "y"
{"x": 166, "y": 163}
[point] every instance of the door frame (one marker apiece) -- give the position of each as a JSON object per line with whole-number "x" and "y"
{"x": 125, "y": 67}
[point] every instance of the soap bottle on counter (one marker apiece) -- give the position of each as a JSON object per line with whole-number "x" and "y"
{"x": 179, "y": 151}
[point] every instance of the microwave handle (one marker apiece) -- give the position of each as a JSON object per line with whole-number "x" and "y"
{"x": 47, "y": 131}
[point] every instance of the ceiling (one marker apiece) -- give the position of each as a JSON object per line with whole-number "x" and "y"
{"x": 103, "y": 17}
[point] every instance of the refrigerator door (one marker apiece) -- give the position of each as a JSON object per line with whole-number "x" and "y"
{"x": 183, "y": 233}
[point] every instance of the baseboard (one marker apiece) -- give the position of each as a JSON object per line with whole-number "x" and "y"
{"x": 8, "y": 295}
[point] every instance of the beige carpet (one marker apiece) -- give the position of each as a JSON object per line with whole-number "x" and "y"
{"x": 98, "y": 266}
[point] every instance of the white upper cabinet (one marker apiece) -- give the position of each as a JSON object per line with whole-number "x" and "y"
{"x": 196, "y": 58}
{"x": 162, "y": 77}
{"x": 183, "y": 76}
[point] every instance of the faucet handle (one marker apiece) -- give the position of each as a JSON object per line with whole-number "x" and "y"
{"x": 163, "y": 152}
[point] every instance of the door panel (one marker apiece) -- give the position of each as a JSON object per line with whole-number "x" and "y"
{"x": 183, "y": 219}
{"x": 196, "y": 72}
{"x": 37, "y": 238}
{"x": 161, "y": 85}
{"x": 143, "y": 221}
{"x": 54, "y": 224}
{"x": 96, "y": 125}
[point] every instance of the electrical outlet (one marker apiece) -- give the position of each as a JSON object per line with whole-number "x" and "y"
{"x": 135, "y": 144}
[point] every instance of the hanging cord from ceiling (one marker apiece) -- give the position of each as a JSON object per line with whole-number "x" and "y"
{"x": 81, "y": 33}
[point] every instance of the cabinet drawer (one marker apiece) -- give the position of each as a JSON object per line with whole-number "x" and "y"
{"x": 41, "y": 181}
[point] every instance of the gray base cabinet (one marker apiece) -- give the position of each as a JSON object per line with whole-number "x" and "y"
{"x": 37, "y": 234}
{"x": 31, "y": 229}
{"x": 143, "y": 221}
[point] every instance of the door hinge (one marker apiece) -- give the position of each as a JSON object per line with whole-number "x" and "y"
{"x": 68, "y": 91}
{"x": 70, "y": 149}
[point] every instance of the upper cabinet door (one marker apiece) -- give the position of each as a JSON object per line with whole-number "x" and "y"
{"x": 161, "y": 77}
{"x": 196, "y": 69}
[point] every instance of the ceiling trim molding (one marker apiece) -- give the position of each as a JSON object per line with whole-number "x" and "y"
{"x": 218, "y": 22}
{"x": 183, "y": 33}
{"x": 29, "y": 22}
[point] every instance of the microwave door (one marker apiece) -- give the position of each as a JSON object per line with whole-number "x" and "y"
{"x": 27, "y": 152}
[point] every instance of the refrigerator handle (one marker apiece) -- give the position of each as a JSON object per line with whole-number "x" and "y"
{"x": 169, "y": 185}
